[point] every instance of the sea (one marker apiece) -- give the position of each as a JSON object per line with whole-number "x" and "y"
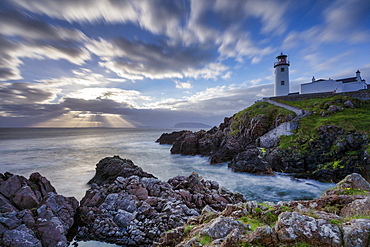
{"x": 67, "y": 158}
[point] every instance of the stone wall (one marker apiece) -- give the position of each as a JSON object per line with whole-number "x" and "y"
{"x": 361, "y": 94}
{"x": 269, "y": 139}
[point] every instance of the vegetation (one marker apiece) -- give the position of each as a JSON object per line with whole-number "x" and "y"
{"x": 259, "y": 108}
{"x": 205, "y": 240}
{"x": 251, "y": 221}
{"x": 305, "y": 138}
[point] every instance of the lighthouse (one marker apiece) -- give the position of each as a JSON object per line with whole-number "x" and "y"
{"x": 281, "y": 67}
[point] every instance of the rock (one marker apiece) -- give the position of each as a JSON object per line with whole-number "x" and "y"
{"x": 221, "y": 227}
{"x": 334, "y": 109}
{"x": 20, "y": 237}
{"x": 136, "y": 210}
{"x": 353, "y": 181}
{"x": 25, "y": 198}
{"x": 348, "y": 104}
{"x": 356, "y": 233}
{"x": 170, "y": 138}
{"x": 360, "y": 207}
{"x": 264, "y": 236}
{"x": 250, "y": 161}
{"x": 108, "y": 169}
{"x": 32, "y": 214}
{"x": 293, "y": 227}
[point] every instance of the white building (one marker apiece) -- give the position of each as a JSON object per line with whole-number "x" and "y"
{"x": 337, "y": 86}
{"x": 281, "y": 86}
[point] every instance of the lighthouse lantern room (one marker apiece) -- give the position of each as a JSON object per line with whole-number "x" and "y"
{"x": 281, "y": 67}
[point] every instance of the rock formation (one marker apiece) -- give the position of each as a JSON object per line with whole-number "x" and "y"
{"x": 328, "y": 153}
{"x": 32, "y": 213}
{"x": 339, "y": 218}
{"x": 133, "y": 208}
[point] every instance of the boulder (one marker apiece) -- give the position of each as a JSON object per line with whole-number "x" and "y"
{"x": 356, "y": 233}
{"x": 222, "y": 226}
{"x": 32, "y": 213}
{"x": 250, "y": 161}
{"x": 359, "y": 207}
{"x": 108, "y": 169}
{"x": 293, "y": 227}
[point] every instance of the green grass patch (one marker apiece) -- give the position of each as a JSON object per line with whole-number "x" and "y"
{"x": 205, "y": 240}
{"x": 350, "y": 191}
{"x": 252, "y": 222}
{"x": 285, "y": 208}
{"x": 335, "y": 222}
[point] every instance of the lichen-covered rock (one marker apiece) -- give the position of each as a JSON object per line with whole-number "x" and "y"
{"x": 357, "y": 207}
{"x": 222, "y": 226}
{"x": 32, "y": 213}
{"x": 136, "y": 208}
{"x": 293, "y": 227}
{"x": 356, "y": 233}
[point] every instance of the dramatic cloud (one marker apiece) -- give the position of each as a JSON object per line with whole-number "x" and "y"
{"x": 22, "y": 93}
{"x": 136, "y": 60}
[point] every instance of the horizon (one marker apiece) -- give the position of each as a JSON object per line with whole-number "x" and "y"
{"x": 134, "y": 64}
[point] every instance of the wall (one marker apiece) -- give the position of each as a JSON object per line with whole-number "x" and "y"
{"x": 321, "y": 86}
{"x": 269, "y": 139}
{"x": 361, "y": 94}
{"x": 353, "y": 86}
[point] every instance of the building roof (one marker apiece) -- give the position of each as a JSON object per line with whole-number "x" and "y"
{"x": 346, "y": 80}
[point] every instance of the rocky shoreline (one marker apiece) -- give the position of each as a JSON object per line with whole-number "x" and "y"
{"x": 130, "y": 207}
{"x": 330, "y": 154}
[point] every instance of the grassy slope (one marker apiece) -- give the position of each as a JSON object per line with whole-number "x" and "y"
{"x": 259, "y": 108}
{"x": 357, "y": 119}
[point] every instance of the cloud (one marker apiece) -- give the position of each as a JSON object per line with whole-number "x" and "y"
{"x": 13, "y": 23}
{"x": 139, "y": 60}
{"x": 183, "y": 85}
{"x": 343, "y": 21}
{"x": 22, "y": 93}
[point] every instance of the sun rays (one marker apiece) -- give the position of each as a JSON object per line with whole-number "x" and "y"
{"x": 76, "y": 119}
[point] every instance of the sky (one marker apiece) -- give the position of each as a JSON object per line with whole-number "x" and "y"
{"x": 154, "y": 63}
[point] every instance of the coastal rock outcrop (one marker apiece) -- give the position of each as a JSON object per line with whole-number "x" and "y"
{"x": 319, "y": 222}
{"x": 327, "y": 152}
{"x": 133, "y": 208}
{"x": 32, "y": 213}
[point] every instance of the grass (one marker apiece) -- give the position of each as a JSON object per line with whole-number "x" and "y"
{"x": 356, "y": 119}
{"x": 253, "y": 222}
{"x": 205, "y": 240}
{"x": 350, "y": 191}
{"x": 260, "y": 108}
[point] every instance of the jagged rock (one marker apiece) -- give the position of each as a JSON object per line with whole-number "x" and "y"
{"x": 222, "y": 226}
{"x": 122, "y": 210}
{"x": 20, "y": 237}
{"x": 170, "y": 138}
{"x": 49, "y": 222}
{"x": 108, "y": 169}
{"x": 293, "y": 227}
{"x": 356, "y": 233}
{"x": 250, "y": 161}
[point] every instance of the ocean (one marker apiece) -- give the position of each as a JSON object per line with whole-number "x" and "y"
{"x": 67, "y": 157}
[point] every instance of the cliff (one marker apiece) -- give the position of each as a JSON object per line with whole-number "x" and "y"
{"x": 327, "y": 143}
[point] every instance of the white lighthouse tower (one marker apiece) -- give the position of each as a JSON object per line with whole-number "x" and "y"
{"x": 281, "y": 66}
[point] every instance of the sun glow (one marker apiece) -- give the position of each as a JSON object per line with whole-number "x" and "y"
{"x": 76, "y": 119}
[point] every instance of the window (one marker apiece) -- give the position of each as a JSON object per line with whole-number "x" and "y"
{"x": 282, "y": 83}
{"x": 282, "y": 69}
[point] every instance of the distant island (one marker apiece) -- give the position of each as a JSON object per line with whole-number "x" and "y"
{"x": 191, "y": 125}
